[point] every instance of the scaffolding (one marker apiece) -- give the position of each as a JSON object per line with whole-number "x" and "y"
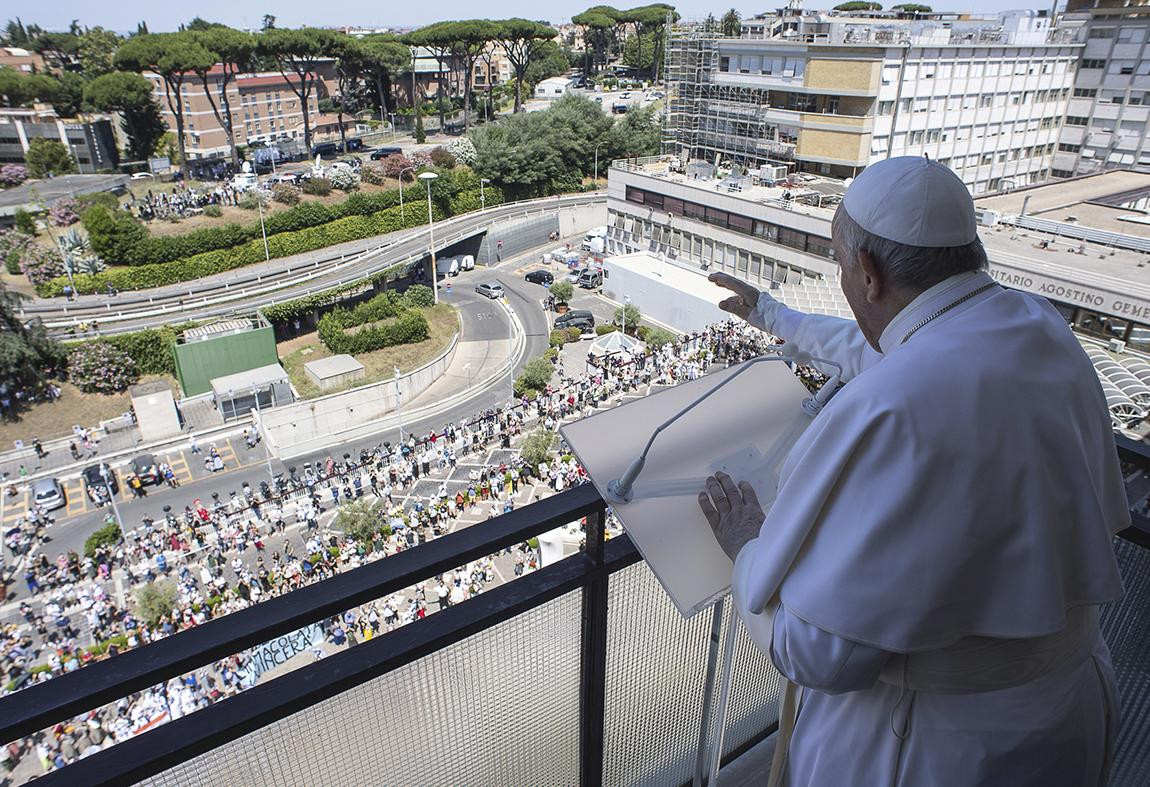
{"x": 713, "y": 121}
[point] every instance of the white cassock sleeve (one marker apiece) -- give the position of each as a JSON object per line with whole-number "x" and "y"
{"x": 804, "y": 653}
{"x": 827, "y": 337}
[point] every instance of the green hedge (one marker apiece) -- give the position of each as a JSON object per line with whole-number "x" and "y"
{"x": 297, "y": 307}
{"x": 213, "y": 262}
{"x": 150, "y": 348}
{"x": 388, "y": 322}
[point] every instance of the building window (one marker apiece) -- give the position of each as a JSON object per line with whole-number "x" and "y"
{"x": 739, "y": 223}
{"x": 789, "y": 237}
{"x": 1085, "y": 92}
{"x": 820, "y": 246}
{"x": 986, "y": 100}
{"x": 1131, "y": 35}
{"x": 1061, "y": 173}
{"x": 885, "y": 107}
{"x": 1067, "y": 148}
{"x": 717, "y": 217}
{"x": 1093, "y": 64}
{"x": 1072, "y": 120}
{"x": 1102, "y": 32}
{"x": 635, "y": 195}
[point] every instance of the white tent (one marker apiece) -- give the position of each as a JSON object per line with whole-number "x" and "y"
{"x": 614, "y": 342}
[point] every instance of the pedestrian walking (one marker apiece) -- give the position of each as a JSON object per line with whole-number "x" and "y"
{"x": 194, "y": 445}
{"x": 38, "y": 447}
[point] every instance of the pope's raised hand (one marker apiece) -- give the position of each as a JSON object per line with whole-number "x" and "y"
{"x": 733, "y": 512}
{"x": 745, "y": 297}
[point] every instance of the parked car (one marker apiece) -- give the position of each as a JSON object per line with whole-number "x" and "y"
{"x": 382, "y": 153}
{"x": 142, "y": 175}
{"x": 446, "y": 266}
{"x": 491, "y": 290}
{"x": 147, "y": 468}
{"x": 354, "y": 163}
{"x": 574, "y": 275}
{"x": 354, "y": 143}
{"x": 576, "y": 318}
{"x": 624, "y": 96}
{"x": 590, "y": 279}
{"x": 93, "y": 476}
{"x": 324, "y": 149}
{"x": 546, "y": 278}
{"x": 48, "y": 493}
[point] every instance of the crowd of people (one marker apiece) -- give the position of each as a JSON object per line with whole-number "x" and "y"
{"x": 184, "y": 201}
{"x": 222, "y": 555}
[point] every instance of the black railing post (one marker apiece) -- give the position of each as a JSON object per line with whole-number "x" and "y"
{"x": 593, "y": 660}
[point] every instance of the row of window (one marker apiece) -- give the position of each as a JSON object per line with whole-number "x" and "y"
{"x": 1120, "y": 67}
{"x": 978, "y": 159}
{"x": 913, "y": 72}
{"x": 1124, "y": 35}
{"x": 774, "y": 233}
{"x": 973, "y": 101}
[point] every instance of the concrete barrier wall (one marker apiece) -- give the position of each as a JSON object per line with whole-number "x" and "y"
{"x": 312, "y": 424}
{"x": 529, "y": 232}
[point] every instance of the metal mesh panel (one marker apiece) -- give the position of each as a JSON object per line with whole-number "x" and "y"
{"x": 501, "y": 707}
{"x": 656, "y": 667}
{"x": 1126, "y": 626}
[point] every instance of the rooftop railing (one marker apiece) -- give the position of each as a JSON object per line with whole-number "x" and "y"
{"x": 580, "y": 672}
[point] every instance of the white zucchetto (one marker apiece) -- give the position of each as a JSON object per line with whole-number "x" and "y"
{"x": 914, "y": 201}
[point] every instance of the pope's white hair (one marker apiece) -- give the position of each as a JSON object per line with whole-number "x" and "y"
{"x": 909, "y": 267}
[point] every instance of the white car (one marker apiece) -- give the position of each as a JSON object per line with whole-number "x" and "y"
{"x": 142, "y": 175}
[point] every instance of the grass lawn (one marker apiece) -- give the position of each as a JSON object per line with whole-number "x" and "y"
{"x": 55, "y": 419}
{"x": 378, "y": 365}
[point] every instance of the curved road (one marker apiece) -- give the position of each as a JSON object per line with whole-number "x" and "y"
{"x": 249, "y": 288}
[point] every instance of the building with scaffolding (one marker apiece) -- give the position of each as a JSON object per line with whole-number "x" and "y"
{"x": 830, "y": 93}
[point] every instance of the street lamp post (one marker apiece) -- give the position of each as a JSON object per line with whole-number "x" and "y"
{"x": 112, "y": 499}
{"x": 597, "y": 162}
{"x": 482, "y": 194}
{"x": 398, "y": 411}
{"x": 263, "y": 229}
{"x": 405, "y": 169}
{"x": 626, "y": 301}
{"x": 427, "y": 177}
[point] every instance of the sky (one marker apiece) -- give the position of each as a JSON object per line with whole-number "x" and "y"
{"x": 122, "y": 16}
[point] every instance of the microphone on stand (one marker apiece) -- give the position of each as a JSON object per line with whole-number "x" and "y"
{"x": 620, "y": 491}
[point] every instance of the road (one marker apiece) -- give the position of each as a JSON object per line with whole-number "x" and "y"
{"x": 259, "y": 285}
{"x": 242, "y": 464}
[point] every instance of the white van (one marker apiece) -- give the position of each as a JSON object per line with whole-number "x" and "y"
{"x": 594, "y": 241}
{"x": 446, "y": 266}
{"x": 466, "y": 262}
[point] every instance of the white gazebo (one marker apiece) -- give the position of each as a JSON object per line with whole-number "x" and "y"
{"x": 612, "y": 344}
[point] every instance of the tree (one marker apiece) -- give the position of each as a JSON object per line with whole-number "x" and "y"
{"x": 597, "y": 26}
{"x": 562, "y": 291}
{"x": 547, "y": 61}
{"x": 59, "y": 49}
{"x": 384, "y": 57}
{"x": 418, "y": 133}
{"x": 107, "y": 537}
{"x": 298, "y": 51}
{"x": 520, "y": 39}
{"x": 29, "y": 357}
{"x": 858, "y": 5}
{"x": 632, "y": 314}
{"x": 637, "y": 133}
{"x": 234, "y": 51}
{"x": 95, "y": 50}
{"x": 467, "y": 41}
{"x": 537, "y": 447}
{"x": 156, "y": 601}
{"x": 536, "y": 375}
{"x": 434, "y": 39}
{"x": 912, "y": 8}
{"x": 131, "y": 96}
{"x": 351, "y": 63}
{"x": 730, "y": 24}
{"x": 173, "y": 56}
{"x": 48, "y": 157}
{"x": 268, "y": 22}
{"x": 361, "y": 520}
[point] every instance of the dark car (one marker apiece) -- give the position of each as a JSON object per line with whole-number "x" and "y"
{"x": 354, "y": 143}
{"x": 382, "y": 153}
{"x": 324, "y": 149}
{"x": 576, "y": 318}
{"x": 94, "y": 479}
{"x": 546, "y": 278}
{"x": 146, "y": 467}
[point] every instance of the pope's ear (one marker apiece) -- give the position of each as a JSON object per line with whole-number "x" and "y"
{"x": 873, "y": 279}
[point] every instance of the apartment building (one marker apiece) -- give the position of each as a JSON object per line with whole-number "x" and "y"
{"x": 90, "y": 140}
{"x": 829, "y": 93}
{"x": 264, "y": 108}
{"x": 23, "y": 60}
{"x": 1106, "y": 123}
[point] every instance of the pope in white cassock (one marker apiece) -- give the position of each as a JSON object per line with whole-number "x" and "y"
{"x": 930, "y": 574}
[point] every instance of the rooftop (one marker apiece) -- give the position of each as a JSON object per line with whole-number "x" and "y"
{"x": 1115, "y": 201}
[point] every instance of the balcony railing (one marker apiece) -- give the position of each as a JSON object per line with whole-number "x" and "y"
{"x": 580, "y": 672}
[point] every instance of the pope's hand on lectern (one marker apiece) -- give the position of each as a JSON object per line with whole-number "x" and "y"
{"x": 746, "y": 297}
{"x": 733, "y": 512}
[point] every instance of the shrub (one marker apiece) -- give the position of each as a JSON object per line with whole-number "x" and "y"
{"x": 108, "y": 536}
{"x": 557, "y": 338}
{"x": 64, "y": 212}
{"x": 379, "y": 322}
{"x": 98, "y": 367}
{"x": 13, "y": 246}
{"x": 392, "y": 166}
{"x": 150, "y": 349}
{"x": 115, "y": 235}
{"x": 373, "y": 174}
{"x": 655, "y": 337}
{"x": 601, "y": 329}
{"x": 562, "y": 291}
{"x": 41, "y": 264}
{"x": 418, "y": 296}
{"x": 213, "y": 210}
{"x": 421, "y": 159}
{"x": 317, "y": 187}
{"x": 440, "y": 157}
{"x": 344, "y": 179}
{"x": 12, "y": 175}
{"x": 537, "y": 447}
{"x": 285, "y": 194}
{"x": 361, "y": 520}
{"x": 463, "y": 149}
{"x": 633, "y": 315}
{"x": 537, "y": 373}
{"x": 249, "y": 201}
{"x": 156, "y": 601}
{"x": 281, "y": 312}
{"x": 281, "y": 245}
{"x": 25, "y": 222}
{"x": 574, "y": 334}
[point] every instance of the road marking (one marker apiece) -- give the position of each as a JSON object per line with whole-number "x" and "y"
{"x": 76, "y": 496}
{"x": 181, "y": 468}
{"x": 18, "y": 510}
